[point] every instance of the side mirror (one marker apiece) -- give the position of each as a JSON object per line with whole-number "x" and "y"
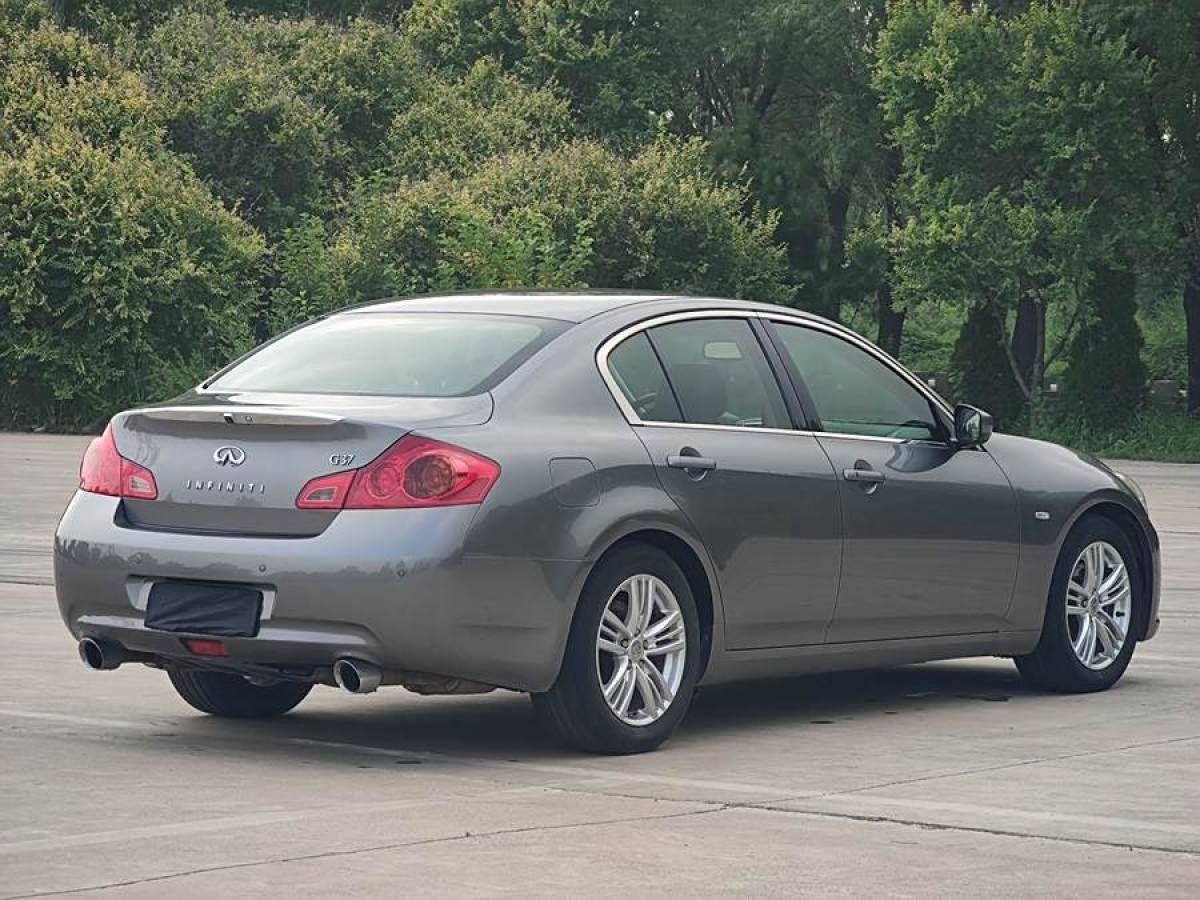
{"x": 972, "y": 427}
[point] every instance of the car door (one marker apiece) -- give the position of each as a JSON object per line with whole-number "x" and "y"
{"x": 930, "y": 529}
{"x": 761, "y": 494}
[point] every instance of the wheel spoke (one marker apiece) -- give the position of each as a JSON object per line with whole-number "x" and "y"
{"x": 1080, "y": 642}
{"x": 1118, "y": 597}
{"x": 1095, "y": 566}
{"x": 665, "y": 694}
{"x": 671, "y": 647}
{"x": 608, "y": 646}
{"x": 1112, "y": 627}
{"x": 646, "y": 590}
{"x": 661, "y": 627}
{"x": 652, "y": 702}
{"x": 612, "y": 628}
{"x": 1109, "y": 645}
{"x": 625, "y": 694}
{"x": 612, "y": 687}
{"x": 1115, "y": 578}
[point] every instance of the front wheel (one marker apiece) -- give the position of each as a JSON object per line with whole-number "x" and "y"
{"x": 632, "y": 659}
{"x": 1092, "y": 613}
{"x": 232, "y": 696}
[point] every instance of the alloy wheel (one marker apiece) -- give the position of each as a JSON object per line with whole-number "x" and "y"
{"x": 1099, "y": 602}
{"x": 641, "y": 649}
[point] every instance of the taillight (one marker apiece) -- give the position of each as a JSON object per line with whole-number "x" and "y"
{"x": 413, "y": 472}
{"x": 105, "y": 471}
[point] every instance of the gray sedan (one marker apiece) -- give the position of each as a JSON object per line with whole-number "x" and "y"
{"x": 601, "y": 499}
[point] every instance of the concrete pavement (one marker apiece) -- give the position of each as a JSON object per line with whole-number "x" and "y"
{"x": 942, "y": 779}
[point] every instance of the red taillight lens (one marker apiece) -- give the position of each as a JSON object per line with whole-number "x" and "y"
{"x": 326, "y": 492}
{"x": 105, "y": 471}
{"x": 413, "y": 472}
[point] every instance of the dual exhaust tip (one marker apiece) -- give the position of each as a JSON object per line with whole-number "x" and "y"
{"x": 357, "y": 677}
{"x": 354, "y": 676}
{"x": 101, "y": 655}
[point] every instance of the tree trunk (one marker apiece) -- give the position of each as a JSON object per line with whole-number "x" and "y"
{"x": 837, "y": 204}
{"x": 891, "y": 320}
{"x": 1027, "y": 343}
{"x": 1191, "y": 312}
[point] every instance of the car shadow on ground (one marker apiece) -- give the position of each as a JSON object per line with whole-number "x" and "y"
{"x": 502, "y": 725}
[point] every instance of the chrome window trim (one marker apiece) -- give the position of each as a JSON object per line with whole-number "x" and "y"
{"x": 838, "y": 331}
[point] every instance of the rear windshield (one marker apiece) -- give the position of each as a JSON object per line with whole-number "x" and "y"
{"x": 393, "y": 354}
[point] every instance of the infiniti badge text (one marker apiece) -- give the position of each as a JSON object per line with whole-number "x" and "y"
{"x": 227, "y": 487}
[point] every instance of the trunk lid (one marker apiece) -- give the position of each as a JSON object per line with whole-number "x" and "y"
{"x": 234, "y": 463}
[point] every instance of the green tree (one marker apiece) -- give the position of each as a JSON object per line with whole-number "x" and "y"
{"x": 1024, "y": 163}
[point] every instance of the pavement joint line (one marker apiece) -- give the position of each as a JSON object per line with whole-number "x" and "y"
{"x": 247, "y": 820}
{"x": 554, "y": 768}
{"x": 1003, "y": 766}
{"x": 398, "y": 845}
{"x": 978, "y": 829}
{"x": 984, "y": 811}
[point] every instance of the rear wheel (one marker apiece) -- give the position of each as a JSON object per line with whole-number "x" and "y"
{"x": 632, "y": 658}
{"x": 1092, "y": 613}
{"x": 224, "y": 694}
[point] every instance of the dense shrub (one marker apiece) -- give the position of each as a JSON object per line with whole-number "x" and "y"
{"x": 982, "y": 373}
{"x": 572, "y": 217}
{"x": 123, "y": 278}
{"x": 461, "y": 123}
{"x": 1105, "y": 381}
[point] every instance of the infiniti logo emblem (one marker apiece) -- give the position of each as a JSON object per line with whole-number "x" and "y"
{"x": 229, "y": 456}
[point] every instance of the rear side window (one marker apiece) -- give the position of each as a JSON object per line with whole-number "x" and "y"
{"x": 393, "y": 354}
{"x": 720, "y": 374}
{"x": 638, "y": 374}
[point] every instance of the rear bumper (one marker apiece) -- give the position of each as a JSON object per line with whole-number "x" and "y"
{"x": 392, "y": 587}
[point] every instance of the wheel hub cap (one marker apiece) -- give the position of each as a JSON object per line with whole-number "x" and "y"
{"x": 641, "y": 649}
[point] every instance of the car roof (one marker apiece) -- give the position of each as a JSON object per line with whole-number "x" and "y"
{"x": 568, "y": 306}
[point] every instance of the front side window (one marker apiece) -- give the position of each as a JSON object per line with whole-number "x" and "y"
{"x": 392, "y": 354}
{"x": 720, "y": 374}
{"x": 852, "y": 391}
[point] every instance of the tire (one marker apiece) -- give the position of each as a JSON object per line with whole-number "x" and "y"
{"x": 575, "y": 708}
{"x": 1054, "y": 664}
{"x": 232, "y": 696}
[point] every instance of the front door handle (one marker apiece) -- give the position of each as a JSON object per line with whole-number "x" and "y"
{"x": 868, "y": 476}
{"x": 680, "y": 461}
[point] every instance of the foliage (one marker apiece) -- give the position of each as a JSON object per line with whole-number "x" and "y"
{"x": 123, "y": 277}
{"x": 463, "y": 122}
{"x": 576, "y": 216}
{"x": 1106, "y": 378}
{"x": 900, "y": 165}
{"x": 981, "y": 373}
{"x": 1165, "y": 436}
{"x": 602, "y": 53}
{"x": 1021, "y": 171}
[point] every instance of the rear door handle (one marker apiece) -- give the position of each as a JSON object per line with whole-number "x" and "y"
{"x": 869, "y": 476}
{"x": 676, "y": 461}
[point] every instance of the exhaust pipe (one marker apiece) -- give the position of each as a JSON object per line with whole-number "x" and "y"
{"x": 101, "y": 655}
{"x": 356, "y": 677}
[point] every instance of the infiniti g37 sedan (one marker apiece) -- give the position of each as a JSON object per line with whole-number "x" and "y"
{"x": 601, "y": 499}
